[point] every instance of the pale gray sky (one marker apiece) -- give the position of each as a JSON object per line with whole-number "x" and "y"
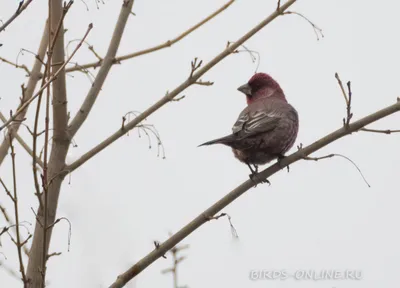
{"x": 319, "y": 216}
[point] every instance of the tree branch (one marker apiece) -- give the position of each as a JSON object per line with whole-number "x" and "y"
{"x": 59, "y": 150}
{"x": 18, "y": 234}
{"x": 59, "y": 114}
{"x": 53, "y": 77}
{"x": 16, "y": 65}
{"x": 107, "y": 62}
{"x": 32, "y": 82}
{"x": 170, "y": 96}
{"x": 23, "y": 143}
{"x": 21, "y": 8}
{"x": 380, "y": 131}
{"x": 167, "y": 44}
{"x": 241, "y": 189}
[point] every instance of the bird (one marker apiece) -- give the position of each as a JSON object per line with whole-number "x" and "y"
{"x": 266, "y": 129}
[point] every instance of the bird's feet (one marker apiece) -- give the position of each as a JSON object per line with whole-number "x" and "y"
{"x": 280, "y": 158}
{"x": 254, "y": 177}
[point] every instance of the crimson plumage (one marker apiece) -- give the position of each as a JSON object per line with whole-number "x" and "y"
{"x": 267, "y": 128}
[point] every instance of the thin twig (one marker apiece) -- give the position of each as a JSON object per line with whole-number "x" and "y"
{"x": 379, "y": 131}
{"x": 342, "y": 88}
{"x": 203, "y": 83}
{"x": 23, "y": 143}
{"x": 90, "y": 47}
{"x": 53, "y": 254}
{"x": 23, "y": 67}
{"x": 347, "y": 97}
{"x": 69, "y": 229}
{"x": 348, "y": 108}
{"x": 34, "y": 140}
{"x": 252, "y": 57}
{"x": 233, "y": 229}
{"x": 175, "y": 262}
{"x": 167, "y": 44}
{"x": 59, "y": 25}
{"x": 17, "y": 223}
{"x": 4, "y": 211}
{"x": 21, "y": 7}
{"x": 46, "y": 135}
{"x": 6, "y": 190}
{"x": 317, "y": 30}
{"x": 338, "y": 155}
{"x": 7, "y": 217}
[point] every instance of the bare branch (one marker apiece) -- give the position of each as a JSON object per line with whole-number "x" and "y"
{"x": 148, "y": 130}
{"x": 23, "y": 67}
{"x": 94, "y": 90}
{"x": 7, "y": 191}
{"x": 3, "y": 210}
{"x": 245, "y": 186}
{"x": 347, "y": 98}
{"x": 177, "y": 99}
{"x": 69, "y": 228}
{"x": 379, "y": 131}
{"x": 36, "y": 271}
{"x": 167, "y": 44}
{"x": 26, "y": 240}
{"x": 203, "y": 83}
{"x": 348, "y": 108}
{"x": 233, "y": 229}
{"x": 195, "y": 66}
{"x": 338, "y": 155}
{"x": 52, "y": 78}
{"x": 174, "y": 93}
{"x": 175, "y": 263}
{"x": 60, "y": 146}
{"x": 60, "y": 88}
{"x": 21, "y": 7}
{"x": 342, "y": 88}
{"x": 317, "y": 30}
{"x": 7, "y": 217}
{"x": 62, "y": 99}
{"x": 90, "y": 47}
{"x": 157, "y": 245}
{"x": 53, "y": 254}
{"x": 17, "y": 223}
{"x": 250, "y": 53}
{"x": 33, "y": 80}
{"x": 22, "y": 142}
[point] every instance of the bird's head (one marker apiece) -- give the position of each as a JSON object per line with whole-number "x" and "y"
{"x": 261, "y": 85}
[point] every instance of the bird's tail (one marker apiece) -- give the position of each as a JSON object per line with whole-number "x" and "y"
{"x": 223, "y": 140}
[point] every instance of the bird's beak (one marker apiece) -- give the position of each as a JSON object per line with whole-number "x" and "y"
{"x": 245, "y": 89}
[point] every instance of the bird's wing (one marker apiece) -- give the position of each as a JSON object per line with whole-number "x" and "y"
{"x": 251, "y": 123}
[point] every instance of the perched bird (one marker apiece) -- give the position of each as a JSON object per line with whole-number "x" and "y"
{"x": 266, "y": 129}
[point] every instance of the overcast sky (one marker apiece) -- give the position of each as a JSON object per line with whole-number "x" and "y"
{"x": 320, "y": 215}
